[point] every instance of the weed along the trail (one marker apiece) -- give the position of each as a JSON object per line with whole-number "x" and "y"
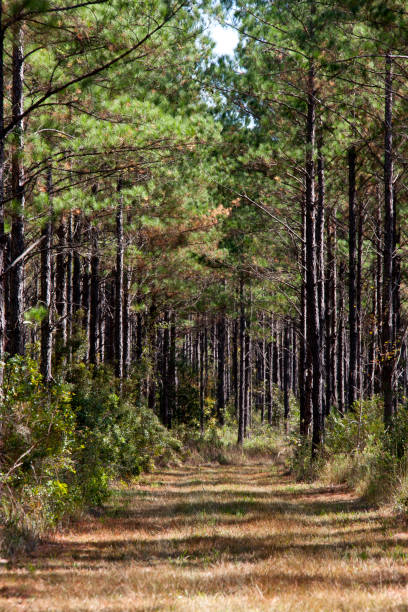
{"x": 218, "y": 538}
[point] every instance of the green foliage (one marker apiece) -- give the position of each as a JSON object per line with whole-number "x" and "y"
{"x": 63, "y": 445}
{"x": 38, "y": 441}
{"x": 359, "y": 453}
{"x": 356, "y": 430}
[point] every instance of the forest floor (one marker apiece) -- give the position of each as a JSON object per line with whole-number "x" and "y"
{"x": 219, "y": 538}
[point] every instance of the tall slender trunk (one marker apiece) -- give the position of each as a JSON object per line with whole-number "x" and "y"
{"x": 313, "y": 314}
{"x": 165, "y": 370}
{"x": 221, "y": 369}
{"x": 286, "y": 348}
{"x": 3, "y": 238}
{"x": 171, "y": 375}
{"x": 119, "y": 289}
{"x": 247, "y": 378}
{"x": 85, "y": 299}
{"x": 331, "y": 314}
{"x": 359, "y": 316}
{"x": 126, "y": 322}
{"x": 60, "y": 289}
{"x": 353, "y": 334}
{"x": 235, "y": 378}
{"x": 76, "y": 270}
{"x": 320, "y": 223}
{"x": 340, "y": 344}
{"x": 69, "y": 285}
{"x": 388, "y": 256}
{"x": 46, "y": 278}
{"x": 203, "y": 337}
{"x": 17, "y": 340}
{"x": 305, "y": 408}
{"x": 270, "y": 384}
{"x": 396, "y": 281}
{"x": 263, "y": 371}
{"x": 94, "y": 305}
{"x": 241, "y": 412}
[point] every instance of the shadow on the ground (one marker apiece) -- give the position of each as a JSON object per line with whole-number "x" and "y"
{"x": 222, "y": 526}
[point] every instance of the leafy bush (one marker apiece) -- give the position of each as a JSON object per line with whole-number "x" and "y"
{"x": 63, "y": 444}
{"x": 38, "y": 441}
{"x": 118, "y": 438}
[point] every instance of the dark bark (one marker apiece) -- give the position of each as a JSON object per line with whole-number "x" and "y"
{"x": 353, "y": 333}
{"x": 164, "y": 399}
{"x": 286, "y": 385}
{"x": 331, "y": 315}
{"x": 359, "y": 316}
{"x": 242, "y": 325}
{"x": 313, "y": 314}
{"x": 119, "y": 289}
{"x": 388, "y": 348}
{"x": 3, "y": 237}
{"x": 320, "y": 224}
{"x": 17, "y": 340}
{"x": 305, "y": 407}
{"x": 60, "y": 289}
{"x": 221, "y": 369}
{"x": 46, "y": 277}
{"x": 69, "y": 286}
{"x": 269, "y": 402}
{"x": 127, "y": 325}
{"x": 76, "y": 272}
{"x": 94, "y": 302}
{"x": 85, "y": 298}
{"x": 203, "y": 338}
{"x": 171, "y": 374}
{"x": 340, "y": 344}
{"x": 247, "y": 378}
{"x": 235, "y": 378}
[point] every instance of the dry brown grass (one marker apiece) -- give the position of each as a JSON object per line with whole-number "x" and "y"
{"x": 219, "y": 538}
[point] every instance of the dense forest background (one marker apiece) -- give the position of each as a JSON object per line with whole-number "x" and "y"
{"x": 195, "y": 247}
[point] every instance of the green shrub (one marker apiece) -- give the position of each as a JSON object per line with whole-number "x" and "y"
{"x": 62, "y": 445}
{"x": 38, "y": 442}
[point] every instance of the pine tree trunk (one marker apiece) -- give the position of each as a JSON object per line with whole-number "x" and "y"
{"x": 119, "y": 289}
{"x": 202, "y": 385}
{"x": 353, "y": 334}
{"x": 60, "y": 289}
{"x": 305, "y": 408}
{"x": 221, "y": 369}
{"x": 126, "y": 323}
{"x": 340, "y": 345}
{"x": 286, "y": 349}
{"x": 331, "y": 315}
{"x": 17, "y": 340}
{"x": 241, "y": 412}
{"x": 388, "y": 304}
{"x": 312, "y": 308}
{"x": 69, "y": 286}
{"x": 76, "y": 272}
{"x": 359, "y": 316}
{"x": 235, "y": 377}
{"x": 94, "y": 305}
{"x": 171, "y": 383}
{"x": 320, "y": 223}
{"x": 46, "y": 278}
{"x": 3, "y": 238}
{"x": 86, "y": 302}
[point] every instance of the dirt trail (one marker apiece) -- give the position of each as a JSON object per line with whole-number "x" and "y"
{"x": 219, "y": 538}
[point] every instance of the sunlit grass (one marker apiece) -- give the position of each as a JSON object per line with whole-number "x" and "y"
{"x": 217, "y": 538}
